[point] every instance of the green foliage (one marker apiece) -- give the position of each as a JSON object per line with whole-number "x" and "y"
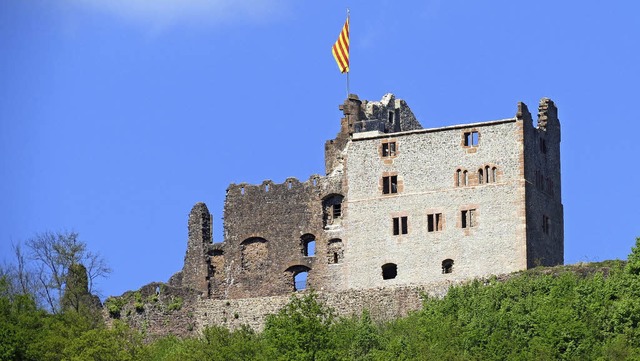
{"x": 175, "y": 304}
{"x": 138, "y": 304}
{"x": 114, "y": 306}
{"x": 633, "y": 263}
{"x": 581, "y": 312}
{"x": 300, "y": 331}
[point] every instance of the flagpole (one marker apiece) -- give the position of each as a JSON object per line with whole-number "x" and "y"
{"x": 349, "y": 20}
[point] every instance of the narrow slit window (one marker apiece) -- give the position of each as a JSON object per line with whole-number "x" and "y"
{"x": 545, "y": 224}
{"x": 480, "y": 176}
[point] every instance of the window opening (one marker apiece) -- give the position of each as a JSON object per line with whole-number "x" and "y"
{"x": 289, "y": 185}
{"x": 391, "y": 117}
{"x": 332, "y": 209}
{"x": 390, "y": 184}
{"x": 468, "y": 218}
{"x": 494, "y": 174}
{"x": 545, "y": 224}
{"x": 337, "y": 210}
{"x": 400, "y": 226}
{"x": 308, "y": 245}
{"x": 447, "y": 266}
{"x": 242, "y": 190}
{"x": 300, "y": 280}
{"x": 458, "y": 176}
{"x": 466, "y": 178}
{"x": 334, "y": 251}
{"x": 389, "y": 271}
{"x": 434, "y": 222}
{"x": 480, "y": 176}
{"x": 486, "y": 174}
{"x": 471, "y": 139}
{"x": 266, "y": 188}
{"x": 388, "y": 149}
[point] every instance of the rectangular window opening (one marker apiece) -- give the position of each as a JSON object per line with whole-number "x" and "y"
{"x": 390, "y": 184}
{"x": 405, "y": 225}
{"x": 400, "y": 225}
{"x": 389, "y": 149}
{"x": 470, "y": 139}
{"x": 434, "y": 222}
{"x": 468, "y": 218}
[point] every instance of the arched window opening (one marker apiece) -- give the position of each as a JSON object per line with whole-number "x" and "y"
{"x": 494, "y": 174}
{"x": 298, "y": 276}
{"x": 300, "y": 281}
{"x": 389, "y": 271}
{"x": 308, "y": 245}
{"x": 466, "y": 178}
{"x": 335, "y": 252}
{"x": 458, "y": 175}
{"x": 332, "y": 209}
{"x": 486, "y": 174}
{"x": 480, "y": 176}
{"x": 447, "y": 266}
{"x": 254, "y": 254}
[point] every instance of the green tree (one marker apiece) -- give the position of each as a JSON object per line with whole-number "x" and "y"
{"x": 301, "y": 330}
{"x": 45, "y": 269}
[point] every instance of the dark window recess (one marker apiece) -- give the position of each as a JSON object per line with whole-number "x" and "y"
{"x": 545, "y": 224}
{"x": 434, "y": 222}
{"x": 334, "y": 251}
{"x": 447, "y": 266}
{"x": 337, "y": 210}
{"x": 543, "y": 146}
{"x": 389, "y": 271}
{"x": 468, "y": 218}
{"x": 389, "y": 149}
{"x": 390, "y": 184}
{"x": 400, "y": 226}
{"x": 332, "y": 209}
{"x": 391, "y": 116}
{"x": 470, "y": 139}
{"x": 480, "y": 176}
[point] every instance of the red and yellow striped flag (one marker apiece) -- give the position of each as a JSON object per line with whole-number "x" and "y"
{"x": 340, "y": 49}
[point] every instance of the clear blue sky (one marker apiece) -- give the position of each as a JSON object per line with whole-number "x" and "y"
{"x": 116, "y": 116}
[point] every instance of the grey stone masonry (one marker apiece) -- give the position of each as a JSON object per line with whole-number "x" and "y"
{"x": 401, "y": 209}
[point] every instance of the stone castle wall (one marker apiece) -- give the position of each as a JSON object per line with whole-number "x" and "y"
{"x": 383, "y": 304}
{"x": 401, "y": 210}
{"x": 426, "y": 165}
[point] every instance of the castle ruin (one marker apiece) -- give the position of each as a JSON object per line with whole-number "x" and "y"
{"x": 401, "y": 210}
